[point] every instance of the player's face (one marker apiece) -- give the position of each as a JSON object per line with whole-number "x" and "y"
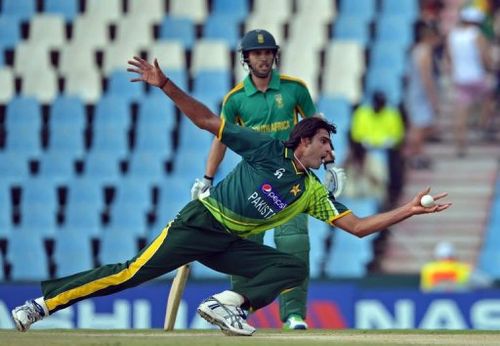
{"x": 261, "y": 62}
{"x": 317, "y": 149}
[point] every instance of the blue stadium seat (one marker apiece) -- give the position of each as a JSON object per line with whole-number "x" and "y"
{"x": 155, "y": 125}
{"x": 174, "y": 194}
{"x": 66, "y": 245}
{"x": 396, "y": 29}
{"x": 26, "y": 254}
{"x": 23, "y": 125}
{"x": 113, "y": 142}
{"x": 210, "y": 86}
{"x": 10, "y": 32}
{"x": 102, "y": 167}
{"x": 112, "y": 121}
{"x": 21, "y": 9}
{"x": 337, "y": 110}
{"x": 6, "y": 209}
{"x": 364, "y": 9}
{"x": 133, "y": 191}
{"x": 84, "y": 204}
{"x": 14, "y": 168}
{"x": 237, "y": 9}
{"x": 38, "y": 207}
{"x": 146, "y": 166}
{"x": 180, "y": 77}
{"x": 117, "y": 247}
{"x": 178, "y": 28}
{"x": 388, "y": 55}
{"x": 127, "y": 218}
{"x": 112, "y": 112}
{"x": 81, "y": 190}
{"x": 350, "y": 254}
{"x": 156, "y": 111}
{"x": 386, "y": 80}
{"x": 83, "y": 218}
{"x": 222, "y": 27}
{"x": 318, "y": 231}
{"x": 119, "y": 84}
{"x": 67, "y": 8}
{"x": 408, "y": 9}
{"x": 67, "y": 122}
{"x": 56, "y": 167}
{"x": 352, "y": 28}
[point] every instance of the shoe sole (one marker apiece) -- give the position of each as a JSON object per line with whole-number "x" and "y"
{"x": 19, "y": 326}
{"x": 227, "y": 330}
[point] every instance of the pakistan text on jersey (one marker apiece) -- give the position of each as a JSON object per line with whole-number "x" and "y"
{"x": 273, "y": 127}
{"x": 260, "y": 204}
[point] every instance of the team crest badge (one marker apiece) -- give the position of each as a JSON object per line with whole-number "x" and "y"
{"x": 260, "y": 38}
{"x": 279, "y": 100}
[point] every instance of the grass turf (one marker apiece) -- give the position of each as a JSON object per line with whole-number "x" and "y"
{"x": 269, "y": 337}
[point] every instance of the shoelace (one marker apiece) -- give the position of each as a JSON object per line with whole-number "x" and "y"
{"x": 31, "y": 313}
{"x": 234, "y": 318}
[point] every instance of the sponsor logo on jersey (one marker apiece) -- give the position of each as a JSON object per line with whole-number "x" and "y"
{"x": 273, "y": 197}
{"x": 266, "y": 201}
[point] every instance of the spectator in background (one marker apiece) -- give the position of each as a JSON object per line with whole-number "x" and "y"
{"x": 469, "y": 60}
{"x": 446, "y": 273}
{"x": 421, "y": 95}
{"x": 367, "y": 172}
{"x": 380, "y": 126}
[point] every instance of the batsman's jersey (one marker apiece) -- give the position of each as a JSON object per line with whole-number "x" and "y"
{"x": 275, "y": 111}
{"x": 265, "y": 189}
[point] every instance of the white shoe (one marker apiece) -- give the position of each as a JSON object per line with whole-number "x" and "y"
{"x": 25, "y": 315}
{"x": 229, "y": 318}
{"x": 295, "y": 322}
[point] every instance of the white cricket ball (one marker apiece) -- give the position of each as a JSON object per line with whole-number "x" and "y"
{"x": 427, "y": 201}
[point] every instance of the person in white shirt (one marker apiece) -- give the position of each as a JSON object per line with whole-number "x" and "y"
{"x": 469, "y": 59}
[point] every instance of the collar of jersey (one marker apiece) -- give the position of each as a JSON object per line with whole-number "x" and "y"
{"x": 288, "y": 154}
{"x": 250, "y": 88}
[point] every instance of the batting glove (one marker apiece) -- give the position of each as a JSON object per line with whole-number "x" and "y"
{"x": 335, "y": 179}
{"x": 200, "y": 186}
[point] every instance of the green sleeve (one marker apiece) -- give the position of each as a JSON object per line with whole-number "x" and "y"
{"x": 305, "y": 104}
{"x": 322, "y": 205}
{"x": 248, "y": 143}
{"x": 229, "y": 111}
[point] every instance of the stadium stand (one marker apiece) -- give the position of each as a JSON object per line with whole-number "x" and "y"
{"x": 63, "y": 76}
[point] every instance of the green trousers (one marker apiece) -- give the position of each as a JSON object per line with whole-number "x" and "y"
{"x": 194, "y": 235}
{"x": 292, "y": 238}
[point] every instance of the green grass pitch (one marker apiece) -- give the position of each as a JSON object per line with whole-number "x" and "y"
{"x": 268, "y": 337}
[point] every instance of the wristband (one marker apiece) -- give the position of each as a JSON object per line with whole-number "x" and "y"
{"x": 208, "y": 178}
{"x": 164, "y": 83}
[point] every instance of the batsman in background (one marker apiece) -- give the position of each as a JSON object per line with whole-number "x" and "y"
{"x": 270, "y": 102}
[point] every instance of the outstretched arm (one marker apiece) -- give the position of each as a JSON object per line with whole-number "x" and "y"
{"x": 199, "y": 114}
{"x": 361, "y": 227}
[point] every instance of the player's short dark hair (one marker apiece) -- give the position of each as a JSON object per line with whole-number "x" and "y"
{"x": 307, "y": 128}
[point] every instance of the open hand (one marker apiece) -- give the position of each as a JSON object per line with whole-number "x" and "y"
{"x": 151, "y": 74}
{"x": 419, "y": 209}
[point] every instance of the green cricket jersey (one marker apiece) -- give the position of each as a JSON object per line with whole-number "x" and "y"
{"x": 265, "y": 189}
{"x": 276, "y": 111}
